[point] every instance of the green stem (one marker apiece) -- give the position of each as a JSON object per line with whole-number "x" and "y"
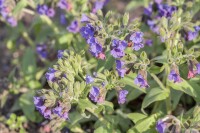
{"x": 158, "y": 81}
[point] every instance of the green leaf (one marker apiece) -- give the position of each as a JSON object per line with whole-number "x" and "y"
{"x": 135, "y": 117}
{"x": 184, "y": 86}
{"x": 145, "y": 124}
{"x": 29, "y": 63}
{"x": 101, "y": 130}
{"x": 155, "y": 94}
{"x": 27, "y": 106}
{"x": 156, "y": 69}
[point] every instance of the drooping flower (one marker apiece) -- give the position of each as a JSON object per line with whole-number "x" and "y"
{"x": 41, "y": 50}
{"x": 95, "y": 48}
{"x": 174, "y": 76}
{"x": 94, "y": 94}
{"x": 58, "y": 110}
{"x": 140, "y": 81}
{"x": 122, "y": 96}
{"x": 89, "y": 79}
{"x": 12, "y": 21}
{"x": 191, "y": 35}
{"x": 198, "y": 68}
{"x": 42, "y": 9}
{"x": 64, "y": 4}
{"x": 99, "y": 4}
{"x": 191, "y": 74}
{"x": 165, "y": 10}
{"x": 117, "y": 48}
{"x": 153, "y": 26}
{"x": 84, "y": 18}
{"x": 63, "y": 19}
{"x": 119, "y": 67}
{"x": 50, "y": 75}
{"x": 87, "y": 31}
{"x": 149, "y": 42}
{"x": 160, "y": 126}
{"x": 73, "y": 27}
{"x": 148, "y": 11}
{"x": 137, "y": 46}
{"x": 39, "y": 104}
{"x": 50, "y": 12}
{"x": 60, "y": 54}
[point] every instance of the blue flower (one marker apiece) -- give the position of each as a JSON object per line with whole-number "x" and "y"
{"x": 174, "y": 76}
{"x": 122, "y": 96}
{"x": 137, "y": 37}
{"x": 50, "y": 12}
{"x": 63, "y": 4}
{"x": 60, "y": 54}
{"x": 149, "y": 42}
{"x": 42, "y": 9}
{"x": 95, "y": 48}
{"x": 94, "y": 94}
{"x": 39, "y": 104}
{"x": 73, "y": 27}
{"x": 137, "y": 46}
{"x": 198, "y": 68}
{"x": 140, "y": 81}
{"x": 12, "y": 21}
{"x": 87, "y": 31}
{"x": 160, "y": 126}
{"x": 99, "y": 4}
{"x": 63, "y": 19}
{"x": 117, "y": 48}
{"x": 41, "y": 50}
{"x": 84, "y": 18}
{"x": 58, "y": 110}
{"x": 119, "y": 67}
{"x": 165, "y": 10}
{"x": 50, "y": 75}
{"x": 148, "y": 11}
{"x": 89, "y": 79}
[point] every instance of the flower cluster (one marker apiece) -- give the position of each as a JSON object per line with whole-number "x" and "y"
{"x": 161, "y": 10}
{"x": 6, "y": 13}
{"x": 95, "y": 48}
{"x": 48, "y": 112}
{"x": 98, "y": 90}
{"x": 45, "y": 10}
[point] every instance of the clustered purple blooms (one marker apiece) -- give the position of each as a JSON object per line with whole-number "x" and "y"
{"x": 122, "y": 96}
{"x": 163, "y": 10}
{"x": 191, "y": 35}
{"x": 120, "y": 68}
{"x": 50, "y": 75}
{"x": 6, "y": 14}
{"x": 45, "y": 10}
{"x": 89, "y": 79}
{"x": 140, "y": 81}
{"x": 47, "y": 112}
{"x": 99, "y": 4}
{"x": 96, "y": 49}
{"x": 117, "y": 48}
{"x": 174, "y": 76}
{"x": 137, "y": 39}
{"x": 74, "y": 27}
{"x": 160, "y": 126}
{"x": 94, "y": 94}
{"x": 42, "y": 50}
{"x": 39, "y": 104}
